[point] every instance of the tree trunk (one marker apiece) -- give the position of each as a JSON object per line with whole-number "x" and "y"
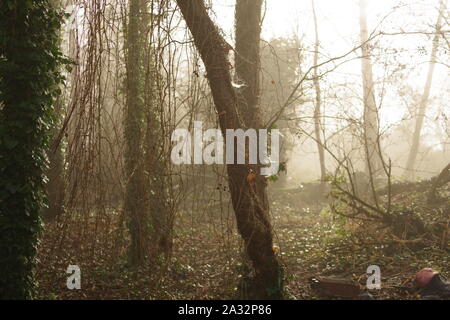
{"x": 135, "y": 208}
{"x": 371, "y": 130}
{"x": 55, "y": 186}
{"x": 424, "y": 100}
{"x": 317, "y": 107}
{"x": 248, "y": 61}
{"x": 156, "y": 190}
{"x": 249, "y": 201}
{"x": 29, "y": 75}
{"x": 442, "y": 179}
{"x": 150, "y": 221}
{"x": 155, "y": 159}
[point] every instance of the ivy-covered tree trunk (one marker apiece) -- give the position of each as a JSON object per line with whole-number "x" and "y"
{"x": 146, "y": 206}
{"x": 249, "y": 201}
{"x": 155, "y": 155}
{"x": 29, "y": 77}
{"x": 156, "y": 189}
{"x": 55, "y": 186}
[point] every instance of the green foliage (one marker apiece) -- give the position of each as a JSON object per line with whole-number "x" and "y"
{"x": 275, "y": 177}
{"x": 30, "y": 61}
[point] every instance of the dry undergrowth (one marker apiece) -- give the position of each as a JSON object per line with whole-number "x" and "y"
{"x": 207, "y": 258}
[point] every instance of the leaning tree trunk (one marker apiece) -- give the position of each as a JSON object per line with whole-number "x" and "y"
{"x": 371, "y": 130}
{"x": 442, "y": 179}
{"x": 424, "y": 99}
{"x": 249, "y": 201}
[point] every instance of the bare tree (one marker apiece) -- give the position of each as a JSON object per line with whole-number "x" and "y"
{"x": 249, "y": 200}
{"x": 371, "y": 125}
{"x": 424, "y": 99}
{"x": 318, "y": 102}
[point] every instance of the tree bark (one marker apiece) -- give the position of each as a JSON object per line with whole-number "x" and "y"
{"x": 249, "y": 201}
{"x": 318, "y": 104}
{"x": 150, "y": 220}
{"x": 155, "y": 160}
{"x": 371, "y": 130}
{"x": 30, "y": 66}
{"x": 247, "y": 59}
{"x": 134, "y": 207}
{"x": 55, "y": 186}
{"x": 442, "y": 179}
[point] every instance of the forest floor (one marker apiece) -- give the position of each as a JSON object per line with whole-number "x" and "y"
{"x": 207, "y": 257}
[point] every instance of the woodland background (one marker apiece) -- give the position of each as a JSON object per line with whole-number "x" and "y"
{"x": 364, "y": 160}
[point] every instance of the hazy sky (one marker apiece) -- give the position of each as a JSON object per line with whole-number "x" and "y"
{"x": 338, "y": 22}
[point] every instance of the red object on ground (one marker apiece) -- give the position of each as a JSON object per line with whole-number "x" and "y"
{"x": 424, "y": 276}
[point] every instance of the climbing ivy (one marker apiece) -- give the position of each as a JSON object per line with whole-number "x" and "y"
{"x": 30, "y": 74}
